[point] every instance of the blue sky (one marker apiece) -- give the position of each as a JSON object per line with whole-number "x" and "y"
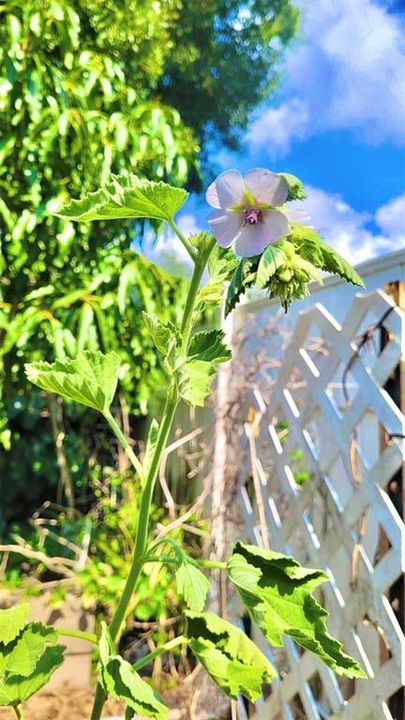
{"x": 338, "y": 122}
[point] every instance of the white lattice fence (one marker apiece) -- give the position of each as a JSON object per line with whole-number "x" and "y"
{"x": 325, "y": 484}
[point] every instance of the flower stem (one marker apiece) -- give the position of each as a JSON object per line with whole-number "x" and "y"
{"x": 169, "y": 560}
{"x": 18, "y": 712}
{"x": 190, "y": 249}
{"x": 139, "y": 556}
{"x": 124, "y": 442}
{"x": 159, "y": 651}
{"x": 66, "y": 632}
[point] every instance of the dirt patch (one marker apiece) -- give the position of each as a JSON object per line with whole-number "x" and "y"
{"x": 71, "y": 703}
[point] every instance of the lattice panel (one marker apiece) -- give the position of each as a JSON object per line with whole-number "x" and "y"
{"x": 325, "y": 478}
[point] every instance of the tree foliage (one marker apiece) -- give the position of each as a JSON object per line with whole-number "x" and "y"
{"x": 86, "y": 89}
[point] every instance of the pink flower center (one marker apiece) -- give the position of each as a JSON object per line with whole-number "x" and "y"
{"x": 253, "y": 216}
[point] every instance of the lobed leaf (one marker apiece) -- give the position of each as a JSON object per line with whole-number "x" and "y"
{"x": 127, "y": 196}
{"x": 16, "y": 689}
{"x": 206, "y": 350}
{"x": 12, "y": 621}
{"x": 295, "y": 187}
{"x": 230, "y": 658}
{"x": 120, "y": 680}
{"x": 90, "y": 379}
{"x": 311, "y": 247}
{"x": 243, "y": 278}
{"x": 192, "y": 585}
{"x": 271, "y": 260}
{"x": 165, "y": 336}
{"x": 277, "y": 591}
{"x": 21, "y": 656}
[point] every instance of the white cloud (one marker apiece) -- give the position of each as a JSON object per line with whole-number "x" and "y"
{"x": 277, "y": 127}
{"x": 391, "y": 218}
{"x": 349, "y": 230}
{"x": 346, "y": 72}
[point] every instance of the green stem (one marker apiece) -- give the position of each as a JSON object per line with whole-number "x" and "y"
{"x": 159, "y": 651}
{"x": 18, "y": 712}
{"x": 65, "y": 632}
{"x": 150, "y": 479}
{"x": 168, "y": 560}
{"x": 190, "y": 249}
{"x": 124, "y": 442}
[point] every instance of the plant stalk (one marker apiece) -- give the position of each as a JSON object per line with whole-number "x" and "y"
{"x": 149, "y": 481}
{"x": 80, "y": 634}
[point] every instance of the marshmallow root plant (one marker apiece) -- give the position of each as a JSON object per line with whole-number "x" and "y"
{"x": 256, "y": 241}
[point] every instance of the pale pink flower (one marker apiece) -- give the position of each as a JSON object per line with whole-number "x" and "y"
{"x": 245, "y": 215}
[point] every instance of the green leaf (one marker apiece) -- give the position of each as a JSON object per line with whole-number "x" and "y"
{"x": 21, "y": 656}
{"x": 243, "y": 277}
{"x": 209, "y": 346}
{"x": 165, "y": 336}
{"x": 222, "y": 263}
{"x": 127, "y": 196}
{"x": 206, "y": 350}
{"x": 230, "y": 658}
{"x": 12, "y": 621}
{"x": 272, "y": 259}
{"x": 192, "y": 585}
{"x": 120, "y": 680}
{"x": 277, "y": 591}
{"x": 221, "y": 266}
{"x": 295, "y": 187}
{"x": 311, "y": 247}
{"x": 16, "y": 689}
{"x": 90, "y": 379}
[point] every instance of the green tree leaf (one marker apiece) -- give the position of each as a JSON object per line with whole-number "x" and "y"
{"x": 277, "y": 591}
{"x": 206, "y": 350}
{"x": 21, "y": 656}
{"x": 12, "y": 621}
{"x": 271, "y": 260}
{"x": 127, "y": 196}
{"x": 230, "y": 658}
{"x": 192, "y": 585}
{"x": 311, "y": 247}
{"x": 90, "y": 379}
{"x": 120, "y": 680}
{"x": 16, "y": 689}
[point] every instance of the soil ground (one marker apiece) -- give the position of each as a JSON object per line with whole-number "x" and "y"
{"x": 72, "y": 703}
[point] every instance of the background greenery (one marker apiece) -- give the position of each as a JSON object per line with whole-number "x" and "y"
{"x": 89, "y": 87}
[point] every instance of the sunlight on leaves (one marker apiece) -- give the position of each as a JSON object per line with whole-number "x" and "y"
{"x": 127, "y": 196}
{"x": 120, "y": 680}
{"x": 230, "y": 658}
{"x": 90, "y": 379}
{"x": 277, "y": 591}
{"x": 206, "y": 350}
{"x": 192, "y": 585}
{"x": 12, "y": 621}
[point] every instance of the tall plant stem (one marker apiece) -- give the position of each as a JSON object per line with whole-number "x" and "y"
{"x": 139, "y": 556}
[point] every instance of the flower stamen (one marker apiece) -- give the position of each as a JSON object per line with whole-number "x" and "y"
{"x": 253, "y": 216}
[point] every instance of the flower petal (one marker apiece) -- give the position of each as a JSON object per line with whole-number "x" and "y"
{"x": 227, "y": 189}
{"x": 251, "y": 241}
{"x": 225, "y": 226}
{"x": 255, "y": 238}
{"x": 296, "y": 215}
{"x": 266, "y": 187}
